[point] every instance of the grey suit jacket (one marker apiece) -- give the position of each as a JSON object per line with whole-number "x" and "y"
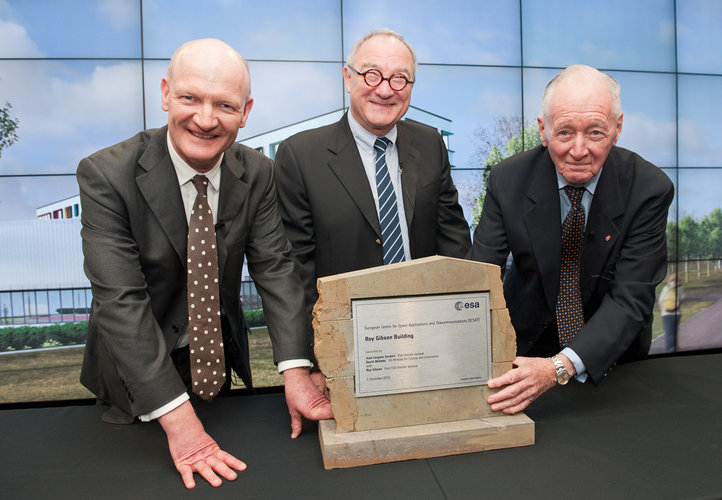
{"x": 134, "y": 242}
{"x": 328, "y": 208}
{"x": 623, "y": 257}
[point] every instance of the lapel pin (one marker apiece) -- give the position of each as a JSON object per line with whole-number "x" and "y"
{"x": 607, "y": 237}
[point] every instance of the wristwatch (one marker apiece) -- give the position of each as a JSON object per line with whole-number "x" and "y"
{"x": 562, "y": 373}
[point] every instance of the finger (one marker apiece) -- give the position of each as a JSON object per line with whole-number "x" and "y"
{"x": 207, "y": 473}
{"x": 231, "y": 461}
{"x": 222, "y": 469}
{"x": 187, "y": 475}
{"x": 504, "y": 394}
{"x": 507, "y": 378}
{"x": 296, "y": 424}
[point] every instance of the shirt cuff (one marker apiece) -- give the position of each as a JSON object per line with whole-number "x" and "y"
{"x": 293, "y": 363}
{"x": 166, "y": 408}
{"x": 581, "y": 370}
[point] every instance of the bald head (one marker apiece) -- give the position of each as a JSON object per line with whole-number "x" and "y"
{"x": 580, "y": 75}
{"x": 213, "y": 56}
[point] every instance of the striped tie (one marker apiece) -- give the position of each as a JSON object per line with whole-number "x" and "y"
{"x": 392, "y": 242}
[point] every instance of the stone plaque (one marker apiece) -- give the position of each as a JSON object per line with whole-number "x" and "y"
{"x": 422, "y": 343}
{"x": 404, "y": 419}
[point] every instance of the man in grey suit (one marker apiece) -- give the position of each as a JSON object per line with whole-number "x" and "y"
{"x": 137, "y": 199}
{"x": 328, "y": 178}
{"x": 578, "y": 304}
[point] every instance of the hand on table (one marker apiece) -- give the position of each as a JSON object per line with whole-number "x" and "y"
{"x": 528, "y": 380}
{"x": 193, "y": 450}
{"x": 307, "y": 396}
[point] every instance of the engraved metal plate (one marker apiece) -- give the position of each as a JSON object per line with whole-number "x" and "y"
{"x": 407, "y": 344}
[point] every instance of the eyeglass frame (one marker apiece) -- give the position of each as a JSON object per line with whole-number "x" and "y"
{"x": 388, "y": 79}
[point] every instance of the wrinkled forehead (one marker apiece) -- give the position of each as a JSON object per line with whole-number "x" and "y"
{"x": 582, "y": 96}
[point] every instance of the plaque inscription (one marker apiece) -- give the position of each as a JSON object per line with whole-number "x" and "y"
{"x": 407, "y": 344}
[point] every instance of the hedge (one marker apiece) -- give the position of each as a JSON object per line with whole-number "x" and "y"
{"x": 43, "y": 336}
{"x": 33, "y": 337}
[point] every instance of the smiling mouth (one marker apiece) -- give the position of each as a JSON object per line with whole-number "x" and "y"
{"x": 200, "y": 136}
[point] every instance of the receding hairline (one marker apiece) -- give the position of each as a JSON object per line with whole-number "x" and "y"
{"x": 380, "y": 32}
{"x": 220, "y": 44}
{"x": 589, "y": 72}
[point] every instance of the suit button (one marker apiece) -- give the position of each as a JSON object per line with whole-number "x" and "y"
{"x": 378, "y": 241}
{"x": 175, "y": 329}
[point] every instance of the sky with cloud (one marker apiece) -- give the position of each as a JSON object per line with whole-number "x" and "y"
{"x": 85, "y": 82}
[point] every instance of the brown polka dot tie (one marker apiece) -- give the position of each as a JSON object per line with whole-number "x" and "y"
{"x": 208, "y": 366}
{"x": 570, "y": 316}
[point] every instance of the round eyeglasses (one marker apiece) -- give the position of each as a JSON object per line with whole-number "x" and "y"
{"x": 373, "y": 78}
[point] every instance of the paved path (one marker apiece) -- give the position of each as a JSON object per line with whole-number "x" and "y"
{"x": 701, "y": 331}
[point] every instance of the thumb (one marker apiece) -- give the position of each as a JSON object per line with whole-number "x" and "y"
{"x": 321, "y": 412}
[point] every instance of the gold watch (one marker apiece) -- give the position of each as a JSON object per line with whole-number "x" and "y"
{"x": 562, "y": 373}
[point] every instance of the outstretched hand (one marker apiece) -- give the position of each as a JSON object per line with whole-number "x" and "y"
{"x": 306, "y": 396}
{"x": 529, "y": 379}
{"x": 193, "y": 450}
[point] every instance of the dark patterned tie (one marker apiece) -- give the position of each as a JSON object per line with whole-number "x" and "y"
{"x": 392, "y": 242}
{"x": 570, "y": 316}
{"x": 208, "y": 366}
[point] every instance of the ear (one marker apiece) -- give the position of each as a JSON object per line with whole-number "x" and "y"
{"x": 164, "y": 91}
{"x": 347, "y": 79}
{"x": 619, "y": 128}
{"x": 246, "y": 110}
{"x": 540, "y": 124}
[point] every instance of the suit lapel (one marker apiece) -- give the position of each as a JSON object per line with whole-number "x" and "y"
{"x": 602, "y": 232}
{"x": 409, "y": 165}
{"x": 347, "y": 166}
{"x": 159, "y": 186}
{"x": 233, "y": 194}
{"x": 543, "y": 223}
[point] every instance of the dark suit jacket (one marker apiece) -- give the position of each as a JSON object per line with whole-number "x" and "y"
{"x": 134, "y": 242}
{"x": 623, "y": 257}
{"x": 328, "y": 208}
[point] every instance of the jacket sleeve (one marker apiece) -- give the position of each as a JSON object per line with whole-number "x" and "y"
{"x": 627, "y": 305}
{"x": 123, "y": 333}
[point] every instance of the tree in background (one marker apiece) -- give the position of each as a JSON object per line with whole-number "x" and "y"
{"x": 689, "y": 239}
{"x": 8, "y": 127}
{"x": 508, "y": 137}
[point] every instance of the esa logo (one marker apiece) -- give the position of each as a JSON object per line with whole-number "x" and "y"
{"x": 466, "y": 305}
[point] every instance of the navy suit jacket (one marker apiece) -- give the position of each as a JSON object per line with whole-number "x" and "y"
{"x": 623, "y": 257}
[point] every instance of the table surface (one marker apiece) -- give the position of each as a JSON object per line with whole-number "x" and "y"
{"x": 652, "y": 429}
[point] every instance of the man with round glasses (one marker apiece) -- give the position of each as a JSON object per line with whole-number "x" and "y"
{"x": 370, "y": 189}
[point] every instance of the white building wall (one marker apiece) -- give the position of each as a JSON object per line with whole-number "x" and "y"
{"x": 40, "y": 254}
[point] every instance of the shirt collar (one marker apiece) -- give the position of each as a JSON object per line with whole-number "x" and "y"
{"x": 364, "y": 138}
{"x": 185, "y": 172}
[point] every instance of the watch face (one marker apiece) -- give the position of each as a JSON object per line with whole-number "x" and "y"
{"x": 563, "y": 377}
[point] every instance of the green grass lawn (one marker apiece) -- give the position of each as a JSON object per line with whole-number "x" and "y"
{"x": 53, "y": 374}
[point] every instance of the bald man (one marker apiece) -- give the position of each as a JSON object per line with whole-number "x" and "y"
{"x": 610, "y": 259}
{"x": 138, "y": 197}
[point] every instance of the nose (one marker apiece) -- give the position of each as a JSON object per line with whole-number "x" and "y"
{"x": 384, "y": 89}
{"x": 205, "y": 118}
{"x": 579, "y": 146}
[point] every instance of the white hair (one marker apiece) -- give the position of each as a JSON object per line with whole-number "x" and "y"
{"x": 589, "y": 72}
